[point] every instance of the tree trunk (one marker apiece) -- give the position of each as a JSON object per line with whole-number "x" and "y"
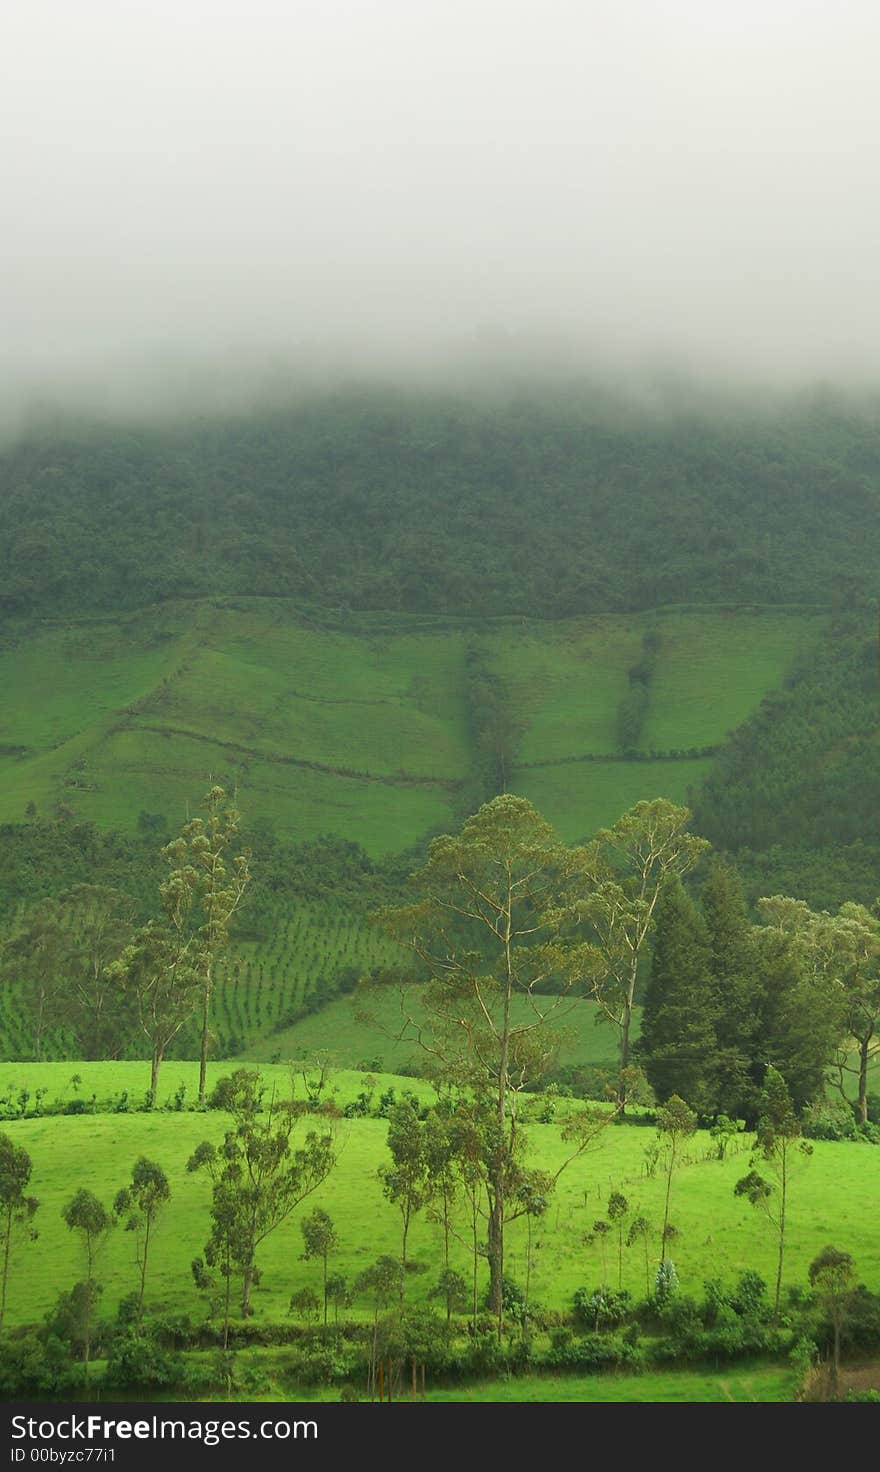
{"x": 864, "y": 1059}
{"x": 154, "y": 1071}
{"x": 6, "y": 1246}
{"x": 496, "y": 1255}
{"x": 246, "y": 1291}
{"x": 227, "y": 1298}
{"x": 625, "y": 1045}
{"x": 144, "y": 1270}
{"x": 203, "y": 1054}
{"x": 476, "y": 1263}
{"x": 88, "y": 1322}
{"x": 784, "y": 1185}
{"x": 666, "y": 1204}
{"x": 528, "y": 1261}
{"x": 496, "y": 1212}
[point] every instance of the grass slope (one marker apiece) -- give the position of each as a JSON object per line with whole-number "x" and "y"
{"x": 744, "y": 1385}
{"x": 339, "y": 1031}
{"x": 363, "y": 733}
{"x": 832, "y": 1199}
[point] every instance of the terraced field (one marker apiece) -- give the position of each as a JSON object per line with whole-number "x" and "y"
{"x": 364, "y": 733}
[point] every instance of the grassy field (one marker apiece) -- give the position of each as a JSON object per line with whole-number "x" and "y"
{"x": 832, "y": 1199}
{"x": 364, "y": 734}
{"x": 566, "y": 680}
{"x": 339, "y": 1031}
{"x": 603, "y": 790}
{"x": 743, "y": 1384}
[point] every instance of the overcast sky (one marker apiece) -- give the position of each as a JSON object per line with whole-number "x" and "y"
{"x": 213, "y": 181}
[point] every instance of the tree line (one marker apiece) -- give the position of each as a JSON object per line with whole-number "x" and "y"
{"x": 80, "y": 962}
{"x": 438, "y": 503}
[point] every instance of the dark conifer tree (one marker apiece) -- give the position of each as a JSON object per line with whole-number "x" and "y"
{"x": 678, "y": 1044}
{"x": 739, "y": 1066}
{"x": 800, "y": 1019}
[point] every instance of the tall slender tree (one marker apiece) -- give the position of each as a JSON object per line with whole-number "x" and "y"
{"x": 319, "y": 1240}
{"x": 780, "y": 1144}
{"x": 405, "y": 1181}
{"x": 85, "y": 1215}
{"x": 630, "y": 866}
{"x": 736, "y": 981}
{"x": 139, "y": 1206}
{"x": 678, "y": 1043}
{"x": 492, "y": 931}
{"x": 205, "y": 890}
{"x": 17, "y": 1209}
{"x": 259, "y": 1177}
{"x": 831, "y": 1274}
{"x": 675, "y": 1125}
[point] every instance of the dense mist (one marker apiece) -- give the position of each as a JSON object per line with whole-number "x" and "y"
{"x": 202, "y": 200}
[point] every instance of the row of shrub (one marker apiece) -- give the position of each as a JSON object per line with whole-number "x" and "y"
{"x": 605, "y": 1330}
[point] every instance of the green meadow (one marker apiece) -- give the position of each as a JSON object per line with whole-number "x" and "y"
{"x": 742, "y": 1384}
{"x": 364, "y": 733}
{"x": 354, "y": 1030}
{"x": 603, "y": 789}
{"x": 832, "y": 1198}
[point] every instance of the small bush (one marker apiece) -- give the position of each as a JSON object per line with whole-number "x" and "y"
{"x": 601, "y": 1307}
{"x": 830, "y": 1119}
{"x": 138, "y": 1362}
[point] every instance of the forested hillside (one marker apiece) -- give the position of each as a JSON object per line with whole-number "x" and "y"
{"x": 371, "y": 500}
{"x": 368, "y": 613}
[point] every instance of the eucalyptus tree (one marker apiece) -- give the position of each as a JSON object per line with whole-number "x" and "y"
{"x": 406, "y": 1181}
{"x": 780, "y": 1144}
{"x": 139, "y": 1205}
{"x": 629, "y": 866}
{"x": 89, "y": 1218}
{"x": 617, "y": 1211}
{"x": 203, "y": 891}
{"x": 259, "y": 1174}
{"x": 319, "y": 1240}
{"x": 494, "y": 933}
{"x": 640, "y": 1231}
{"x": 676, "y": 1122}
{"x": 842, "y": 953}
{"x": 17, "y": 1209}
{"x": 831, "y": 1272}
{"x": 160, "y": 975}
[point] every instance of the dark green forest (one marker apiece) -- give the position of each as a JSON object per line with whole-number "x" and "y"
{"x": 370, "y": 500}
